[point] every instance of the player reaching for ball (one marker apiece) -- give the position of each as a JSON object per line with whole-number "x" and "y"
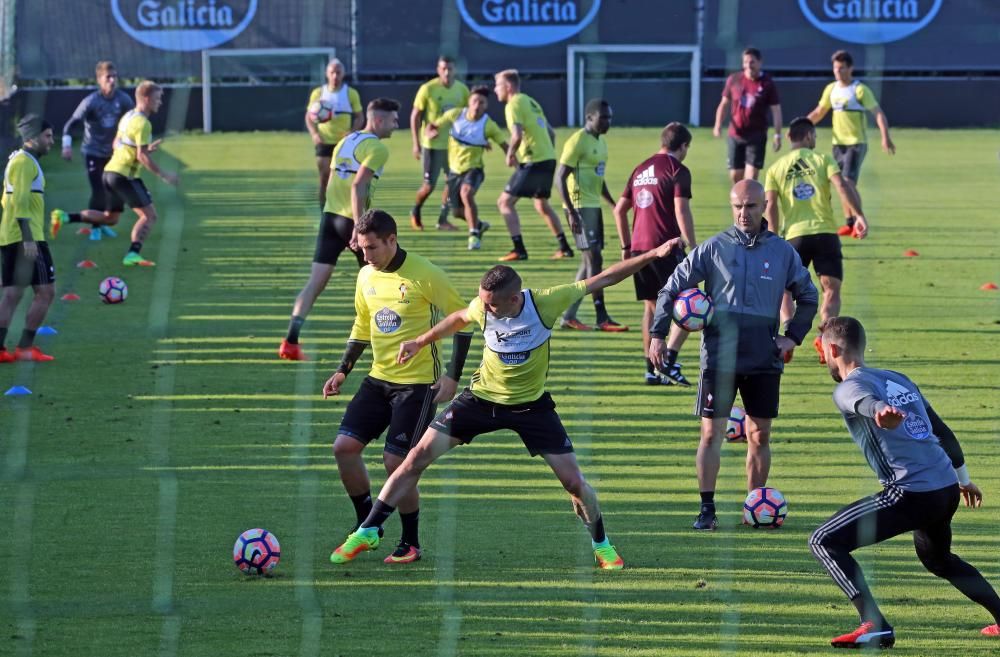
{"x": 345, "y": 104}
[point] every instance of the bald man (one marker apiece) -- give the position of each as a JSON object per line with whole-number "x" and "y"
{"x": 746, "y": 270}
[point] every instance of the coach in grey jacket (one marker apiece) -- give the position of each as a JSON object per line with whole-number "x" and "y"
{"x": 746, "y": 270}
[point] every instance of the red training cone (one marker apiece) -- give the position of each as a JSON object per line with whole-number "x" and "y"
{"x": 86, "y": 264}
{"x": 989, "y": 286}
{"x": 910, "y": 253}
{"x": 71, "y": 296}
{"x": 83, "y": 231}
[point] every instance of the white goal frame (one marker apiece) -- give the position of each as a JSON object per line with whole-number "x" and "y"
{"x": 206, "y": 69}
{"x": 575, "y": 74}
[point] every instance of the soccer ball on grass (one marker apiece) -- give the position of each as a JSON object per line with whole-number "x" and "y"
{"x": 256, "y": 552}
{"x": 765, "y": 507}
{"x": 113, "y": 290}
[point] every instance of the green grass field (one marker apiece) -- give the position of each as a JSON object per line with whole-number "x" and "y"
{"x": 167, "y": 426}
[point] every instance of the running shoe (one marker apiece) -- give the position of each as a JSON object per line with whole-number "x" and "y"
{"x": 818, "y": 344}
{"x": 562, "y": 253}
{"x": 131, "y": 259}
{"x": 404, "y": 553}
{"x": 707, "y": 521}
{"x": 607, "y": 558}
{"x": 33, "y": 354}
{"x": 58, "y": 218}
{"x": 574, "y": 324}
{"x": 6, "y": 356}
{"x": 483, "y": 227}
{"x": 514, "y": 255}
{"x": 96, "y": 234}
{"x": 991, "y": 630}
{"x": 447, "y": 226}
{"x": 475, "y": 243}
{"x": 415, "y": 222}
{"x": 356, "y": 543}
{"x": 657, "y": 380}
{"x": 675, "y": 375}
{"x": 107, "y": 231}
{"x": 866, "y": 636}
{"x": 611, "y": 326}
{"x": 289, "y": 351}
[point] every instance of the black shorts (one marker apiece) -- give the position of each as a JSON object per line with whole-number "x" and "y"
{"x": 435, "y": 160}
{"x": 653, "y": 276}
{"x": 405, "y": 409}
{"x": 473, "y": 178}
{"x": 325, "y": 150}
{"x": 537, "y": 422}
{"x": 849, "y": 158}
{"x": 717, "y": 393}
{"x": 592, "y": 234}
{"x": 18, "y": 271}
{"x": 334, "y": 236}
{"x": 119, "y": 190}
{"x": 747, "y": 151}
{"x": 95, "y": 176}
{"x": 823, "y": 251}
{"x": 532, "y": 180}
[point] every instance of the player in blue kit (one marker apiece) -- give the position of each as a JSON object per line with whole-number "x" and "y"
{"x": 920, "y": 465}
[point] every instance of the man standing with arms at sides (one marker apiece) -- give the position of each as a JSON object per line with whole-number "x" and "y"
{"x": 659, "y": 194}
{"x": 507, "y": 392}
{"x": 24, "y": 255}
{"x": 99, "y": 112}
{"x": 922, "y": 469}
{"x": 746, "y": 270}
{"x": 749, "y": 95}
{"x": 345, "y": 103}
{"x": 850, "y": 99}
{"x": 581, "y": 184}
{"x": 798, "y": 208}
{"x": 532, "y": 152}
{"x": 398, "y": 295}
{"x": 358, "y": 162}
{"x": 469, "y": 132}
{"x": 434, "y": 98}
{"x": 134, "y": 147}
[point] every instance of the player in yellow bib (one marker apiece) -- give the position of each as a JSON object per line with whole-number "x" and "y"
{"x": 469, "y": 131}
{"x": 797, "y": 188}
{"x": 399, "y": 295}
{"x": 358, "y": 161}
{"x": 435, "y": 97}
{"x": 507, "y": 392}
{"x": 532, "y": 154}
{"x": 24, "y": 254}
{"x": 345, "y": 104}
{"x": 580, "y": 177}
{"x": 134, "y": 146}
{"x": 850, "y": 99}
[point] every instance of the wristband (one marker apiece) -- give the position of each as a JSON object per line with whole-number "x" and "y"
{"x": 963, "y": 475}
{"x": 67, "y": 141}
{"x": 626, "y": 247}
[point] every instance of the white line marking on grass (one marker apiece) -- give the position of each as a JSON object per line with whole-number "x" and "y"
{"x": 451, "y": 614}
{"x": 20, "y": 593}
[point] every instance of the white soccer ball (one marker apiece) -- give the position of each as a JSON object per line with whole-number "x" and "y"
{"x": 320, "y": 112}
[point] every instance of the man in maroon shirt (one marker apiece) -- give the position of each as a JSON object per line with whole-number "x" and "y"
{"x": 659, "y": 193}
{"x": 750, "y": 94}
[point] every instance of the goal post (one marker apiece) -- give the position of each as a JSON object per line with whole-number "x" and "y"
{"x": 254, "y": 66}
{"x": 577, "y": 73}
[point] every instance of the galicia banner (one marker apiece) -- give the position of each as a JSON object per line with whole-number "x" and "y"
{"x": 528, "y": 23}
{"x": 183, "y": 24}
{"x": 870, "y": 21}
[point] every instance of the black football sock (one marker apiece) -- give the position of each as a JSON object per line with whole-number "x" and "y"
{"x": 362, "y": 506}
{"x": 596, "y": 529}
{"x": 563, "y": 244}
{"x": 74, "y": 217}
{"x": 3, "y": 336}
{"x": 379, "y": 514}
{"x": 600, "y": 310}
{"x": 135, "y": 247}
{"x": 443, "y": 218}
{"x": 708, "y": 501}
{"x": 518, "y": 244}
{"x": 416, "y": 211}
{"x": 27, "y": 339}
{"x": 294, "y": 326}
{"x": 671, "y": 358}
{"x": 410, "y": 522}
{"x": 649, "y": 367}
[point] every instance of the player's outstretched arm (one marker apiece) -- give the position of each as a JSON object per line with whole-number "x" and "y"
{"x": 619, "y": 271}
{"x": 817, "y": 114}
{"x": 144, "y": 157}
{"x": 448, "y": 326}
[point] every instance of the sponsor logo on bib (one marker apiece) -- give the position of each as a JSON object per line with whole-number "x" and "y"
{"x": 916, "y": 427}
{"x": 516, "y": 358}
{"x": 804, "y": 191}
{"x": 388, "y": 320}
{"x": 644, "y": 198}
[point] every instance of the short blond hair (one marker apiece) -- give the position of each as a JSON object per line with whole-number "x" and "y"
{"x": 510, "y": 76}
{"x": 104, "y": 66}
{"x": 146, "y": 89}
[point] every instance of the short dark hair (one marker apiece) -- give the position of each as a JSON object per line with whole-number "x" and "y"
{"x": 104, "y": 66}
{"x": 846, "y": 332}
{"x": 447, "y": 59}
{"x": 753, "y": 52}
{"x": 377, "y": 222}
{"x": 480, "y": 90}
{"x": 383, "y": 105}
{"x": 500, "y": 279}
{"x": 799, "y": 128}
{"x": 843, "y": 57}
{"x": 674, "y": 136}
{"x": 594, "y": 106}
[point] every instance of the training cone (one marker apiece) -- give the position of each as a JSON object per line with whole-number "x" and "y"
{"x": 71, "y": 296}
{"x": 17, "y": 391}
{"x": 87, "y": 264}
{"x": 46, "y": 330}
{"x": 83, "y": 231}
{"x": 989, "y": 286}
{"x": 910, "y": 253}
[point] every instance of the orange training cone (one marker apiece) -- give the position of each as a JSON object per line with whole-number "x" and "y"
{"x": 83, "y": 231}
{"x": 71, "y": 296}
{"x": 86, "y": 264}
{"x": 989, "y": 286}
{"x": 910, "y": 253}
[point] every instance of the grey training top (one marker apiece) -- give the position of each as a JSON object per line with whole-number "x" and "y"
{"x": 909, "y": 456}
{"x": 100, "y": 116}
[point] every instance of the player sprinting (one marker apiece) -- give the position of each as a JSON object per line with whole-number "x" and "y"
{"x": 99, "y": 112}
{"x": 435, "y": 97}
{"x": 850, "y": 99}
{"x": 134, "y": 147}
{"x": 922, "y": 469}
{"x": 798, "y": 208}
{"x": 345, "y": 102}
{"x": 659, "y": 194}
{"x": 532, "y": 153}
{"x": 398, "y": 295}
{"x": 507, "y": 392}
{"x": 470, "y": 130}
{"x": 580, "y": 178}
{"x": 358, "y": 161}
{"x": 24, "y": 254}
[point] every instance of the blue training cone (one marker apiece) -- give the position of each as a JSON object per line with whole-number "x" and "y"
{"x": 17, "y": 391}
{"x": 46, "y": 330}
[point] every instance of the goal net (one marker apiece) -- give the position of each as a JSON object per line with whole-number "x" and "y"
{"x": 227, "y": 74}
{"x": 645, "y": 84}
